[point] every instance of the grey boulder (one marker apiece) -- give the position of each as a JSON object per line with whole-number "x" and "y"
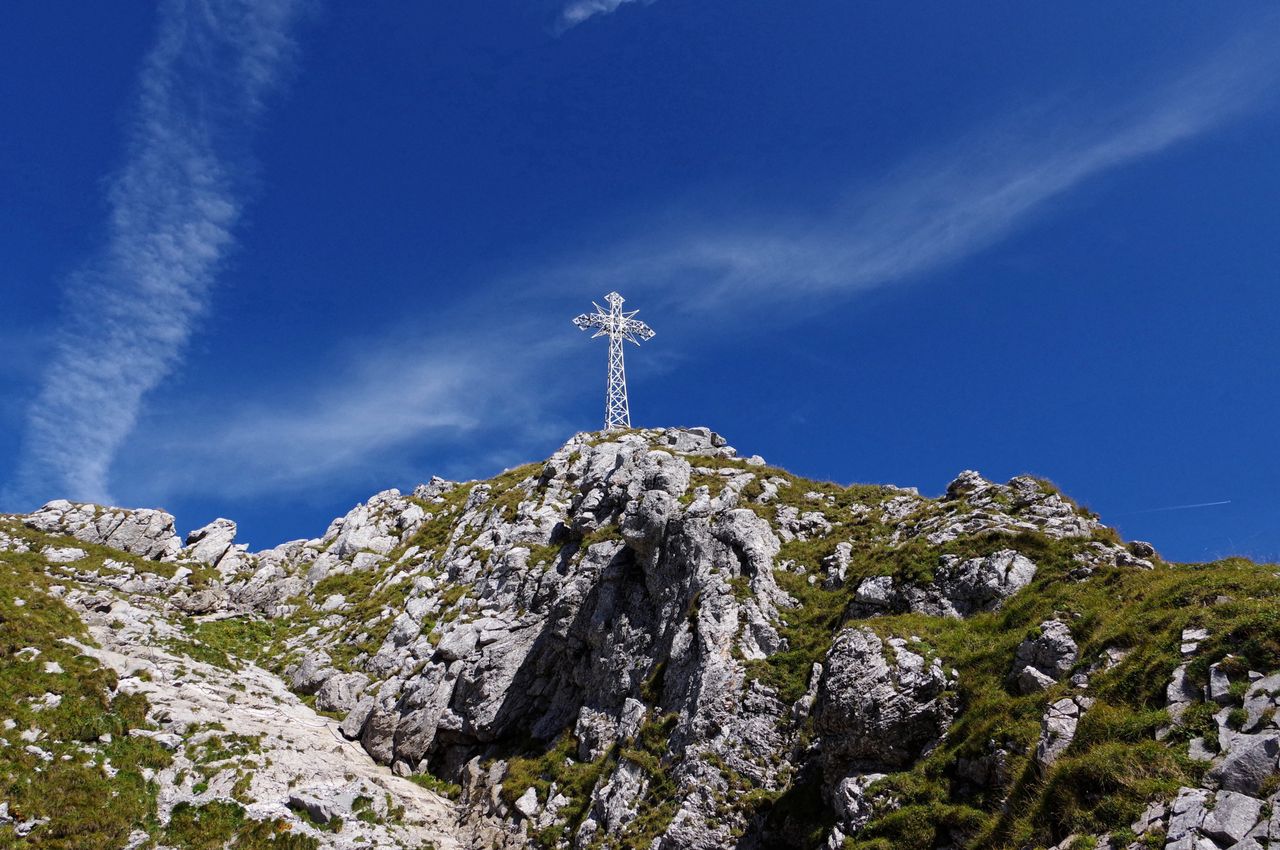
{"x": 1045, "y": 658}
{"x": 146, "y": 533}
{"x": 873, "y": 711}
{"x": 210, "y": 544}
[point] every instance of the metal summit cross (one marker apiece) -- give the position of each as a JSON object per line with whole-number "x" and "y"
{"x": 619, "y": 327}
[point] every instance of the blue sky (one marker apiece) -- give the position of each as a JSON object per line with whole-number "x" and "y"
{"x": 263, "y": 259}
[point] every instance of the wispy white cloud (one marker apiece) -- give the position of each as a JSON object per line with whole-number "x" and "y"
{"x": 174, "y": 206}
{"x": 362, "y": 419}
{"x": 580, "y": 10}
{"x": 940, "y": 208}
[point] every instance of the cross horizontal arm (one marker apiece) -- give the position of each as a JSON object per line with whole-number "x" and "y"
{"x": 638, "y": 329}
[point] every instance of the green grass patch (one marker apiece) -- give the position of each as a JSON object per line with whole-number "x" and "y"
{"x": 219, "y": 825}
{"x": 557, "y": 763}
{"x": 431, "y": 782}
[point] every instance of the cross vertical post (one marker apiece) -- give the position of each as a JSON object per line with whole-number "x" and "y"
{"x": 620, "y": 327}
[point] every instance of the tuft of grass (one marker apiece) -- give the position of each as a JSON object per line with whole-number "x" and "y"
{"x": 440, "y": 786}
{"x": 220, "y": 824}
{"x": 247, "y": 638}
{"x": 538, "y": 768}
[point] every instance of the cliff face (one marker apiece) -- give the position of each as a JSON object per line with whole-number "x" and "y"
{"x": 647, "y": 641}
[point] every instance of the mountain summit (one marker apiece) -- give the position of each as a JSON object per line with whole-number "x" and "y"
{"x": 646, "y": 641}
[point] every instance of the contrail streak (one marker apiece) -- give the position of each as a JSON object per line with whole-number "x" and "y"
{"x": 1178, "y": 508}
{"x": 173, "y": 208}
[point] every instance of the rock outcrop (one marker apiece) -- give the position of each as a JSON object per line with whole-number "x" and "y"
{"x": 879, "y": 705}
{"x": 1045, "y": 658}
{"x": 1058, "y": 728}
{"x": 147, "y": 533}
{"x": 960, "y": 588}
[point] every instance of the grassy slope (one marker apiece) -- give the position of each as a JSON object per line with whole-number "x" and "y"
{"x": 70, "y": 789}
{"x": 86, "y": 806}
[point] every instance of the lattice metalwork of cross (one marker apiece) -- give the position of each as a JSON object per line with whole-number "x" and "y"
{"x": 619, "y": 327}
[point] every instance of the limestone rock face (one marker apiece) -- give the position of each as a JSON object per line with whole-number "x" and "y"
{"x": 961, "y": 587}
{"x": 1058, "y": 728}
{"x": 210, "y": 544}
{"x": 879, "y": 704}
{"x": 146, "y": 533}
{"x": 277, "y": 754}
{"x": 635, "y": 617}
{"x": 310, "y": 673}
{"x": 1249, "y": 763}
{"x": 1046, "y": 658}
{"x": 200, "y": 602}
{"x": 1024, "y": 504}
{"x": 341, "y": 692}
{"x": 979, "y": 584}
{"x": 375, "y": 527}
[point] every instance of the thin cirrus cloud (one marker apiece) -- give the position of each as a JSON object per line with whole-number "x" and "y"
{"x": 581, "y": 10}
{"x": 174, "y": 206}
{"x": 937, "y": 209}
{"x": 360, "y": 420}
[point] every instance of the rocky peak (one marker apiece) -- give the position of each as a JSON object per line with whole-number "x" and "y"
{"x": 649, "y": 641}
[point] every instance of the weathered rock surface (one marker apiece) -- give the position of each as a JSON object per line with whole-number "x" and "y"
{"x": 1058, "y": 728}
{"x": 297, "y": 762}
{"x": 1250, "y": 761}
{"x": 977, "y": 505}
{"x": 961, "y": 587}
{"x": 878, "y": 711}
{"x": 1045, "y": 658}
{"x": 878, "y": 708}
{"x": 147, "y": 533}
{"x": 210, "y": 544}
